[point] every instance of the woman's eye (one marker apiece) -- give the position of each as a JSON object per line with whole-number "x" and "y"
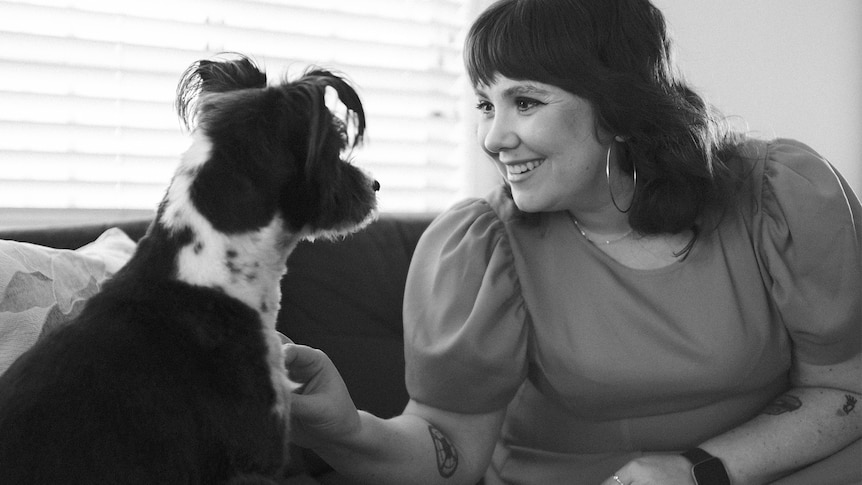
{"x": 525, "y": 104}
{"x": 484, "y": 106}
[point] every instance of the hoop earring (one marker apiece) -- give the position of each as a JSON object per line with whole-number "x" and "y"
{"x": 611, "y": 190}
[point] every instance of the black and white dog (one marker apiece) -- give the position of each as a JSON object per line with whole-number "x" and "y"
{"x": 174, "y": 372}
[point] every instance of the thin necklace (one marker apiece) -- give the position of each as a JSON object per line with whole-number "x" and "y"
{"x": 609, "y": 241}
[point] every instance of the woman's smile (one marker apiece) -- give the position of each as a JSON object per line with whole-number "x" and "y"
{"x": 516, "y": 172}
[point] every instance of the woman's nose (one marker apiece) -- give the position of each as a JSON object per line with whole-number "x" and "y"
{"x": 498, "y": 135}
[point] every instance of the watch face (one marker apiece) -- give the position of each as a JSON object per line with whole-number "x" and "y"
{"x": 710, "y": 472}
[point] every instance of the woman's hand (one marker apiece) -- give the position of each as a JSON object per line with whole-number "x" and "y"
{"x": 321, "y": 410}
{"x": 654, "y": 470}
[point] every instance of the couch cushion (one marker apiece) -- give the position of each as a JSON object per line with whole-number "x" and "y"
{"x": 42, "y": 288}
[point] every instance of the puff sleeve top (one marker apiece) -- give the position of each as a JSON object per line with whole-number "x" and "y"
{"x": 598, "y": 361}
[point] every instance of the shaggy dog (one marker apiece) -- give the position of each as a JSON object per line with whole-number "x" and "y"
{"x": 174, "y": 372}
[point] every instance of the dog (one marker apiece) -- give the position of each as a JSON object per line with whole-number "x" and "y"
{"x": 173, "y": 373}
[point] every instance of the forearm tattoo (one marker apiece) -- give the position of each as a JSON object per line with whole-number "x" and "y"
{"x": 849, "y": 405}
{"x": 447, "y": 455}
{"x": 783, "y": 404}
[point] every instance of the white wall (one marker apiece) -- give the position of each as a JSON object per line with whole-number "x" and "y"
{"x": 788, "y": 68}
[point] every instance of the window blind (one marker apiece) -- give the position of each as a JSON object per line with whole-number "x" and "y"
{"x": 87, "y": 89}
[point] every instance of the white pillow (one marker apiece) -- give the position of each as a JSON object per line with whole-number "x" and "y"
{"x": 42, "y": 288}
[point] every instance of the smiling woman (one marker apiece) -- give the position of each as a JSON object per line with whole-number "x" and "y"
{"x": 626, "y": 306}
{"x": 87, "y": 125}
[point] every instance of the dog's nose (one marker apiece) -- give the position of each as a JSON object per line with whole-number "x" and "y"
{"x": 375, "y": 185}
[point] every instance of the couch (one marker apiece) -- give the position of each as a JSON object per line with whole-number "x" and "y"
{"x": 343, "y": 297}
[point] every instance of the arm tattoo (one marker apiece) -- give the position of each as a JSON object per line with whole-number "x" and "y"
{"x": 849, "y": 405}
{"x": 784, "y": 404}
{"x": 447, "y": 456}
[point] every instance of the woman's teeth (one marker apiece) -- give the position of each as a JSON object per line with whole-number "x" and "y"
{"x": 524, "y": 167}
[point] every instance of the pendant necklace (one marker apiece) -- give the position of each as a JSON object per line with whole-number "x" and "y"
{"x": 604, "y": 242}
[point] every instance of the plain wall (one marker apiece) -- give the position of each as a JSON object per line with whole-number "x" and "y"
{"x": 788, "y": 68}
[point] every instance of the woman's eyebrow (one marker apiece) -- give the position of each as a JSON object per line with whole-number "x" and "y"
{"x": 515, "y": 91}
{"x": 524, "y": 89}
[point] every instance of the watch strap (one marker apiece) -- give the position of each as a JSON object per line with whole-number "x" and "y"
{"x": 706, "y": 469}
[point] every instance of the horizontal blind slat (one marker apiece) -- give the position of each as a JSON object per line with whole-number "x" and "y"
{"x": 87, "y": 90}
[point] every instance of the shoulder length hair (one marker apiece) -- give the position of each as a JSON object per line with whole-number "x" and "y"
{"x": 617, "y": 55}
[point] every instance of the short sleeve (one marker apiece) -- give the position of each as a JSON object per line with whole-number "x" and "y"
{"x": 465, "y": 331}
{"x": 811, "y": 244}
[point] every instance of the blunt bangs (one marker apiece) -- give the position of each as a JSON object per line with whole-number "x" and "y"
{"x": 506, "y": 39}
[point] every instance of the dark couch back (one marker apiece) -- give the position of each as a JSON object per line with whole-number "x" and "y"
{"x": 344, "y": 297}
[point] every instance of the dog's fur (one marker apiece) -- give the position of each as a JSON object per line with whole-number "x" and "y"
{"x": 174, "y": 372}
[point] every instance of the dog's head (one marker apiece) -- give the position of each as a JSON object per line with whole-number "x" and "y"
{"x": 274, "y": 150}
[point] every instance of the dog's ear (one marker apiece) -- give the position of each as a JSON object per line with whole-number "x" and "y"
{"x": 207, "y": 76}
{"x": 317, "y": 81}
{"x": 346, "y": 94}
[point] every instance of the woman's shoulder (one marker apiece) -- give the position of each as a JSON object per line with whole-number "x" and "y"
{"x": 782, "y": 161}
{"x": 784, "y": 175}
{"x": 483, "y": 218}
{"x": 799, "y": 209}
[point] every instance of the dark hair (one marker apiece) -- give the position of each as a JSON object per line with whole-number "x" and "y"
{"x": 617, "y": 55}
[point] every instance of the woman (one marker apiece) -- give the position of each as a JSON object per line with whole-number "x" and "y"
{"x": 648, "y": 299}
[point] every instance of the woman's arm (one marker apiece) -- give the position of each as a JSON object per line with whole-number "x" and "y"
{"x": 817, "y": 417}
{"x": 406, "y": 449}
{"x": 423, "y": 445}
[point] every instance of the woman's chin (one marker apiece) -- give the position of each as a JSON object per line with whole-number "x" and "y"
{"x": 525, "y": 202}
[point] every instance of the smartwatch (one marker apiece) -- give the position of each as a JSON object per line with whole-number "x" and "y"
{"x": 706, "y": 469}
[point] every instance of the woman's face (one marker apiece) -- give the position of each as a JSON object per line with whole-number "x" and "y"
{"x": 543, "y": 141}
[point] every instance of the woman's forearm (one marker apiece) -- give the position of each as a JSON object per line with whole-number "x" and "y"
{"x": 402, "y": 450}
{"x": 423, "y": 445}
{"x": 802, "y": 426}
